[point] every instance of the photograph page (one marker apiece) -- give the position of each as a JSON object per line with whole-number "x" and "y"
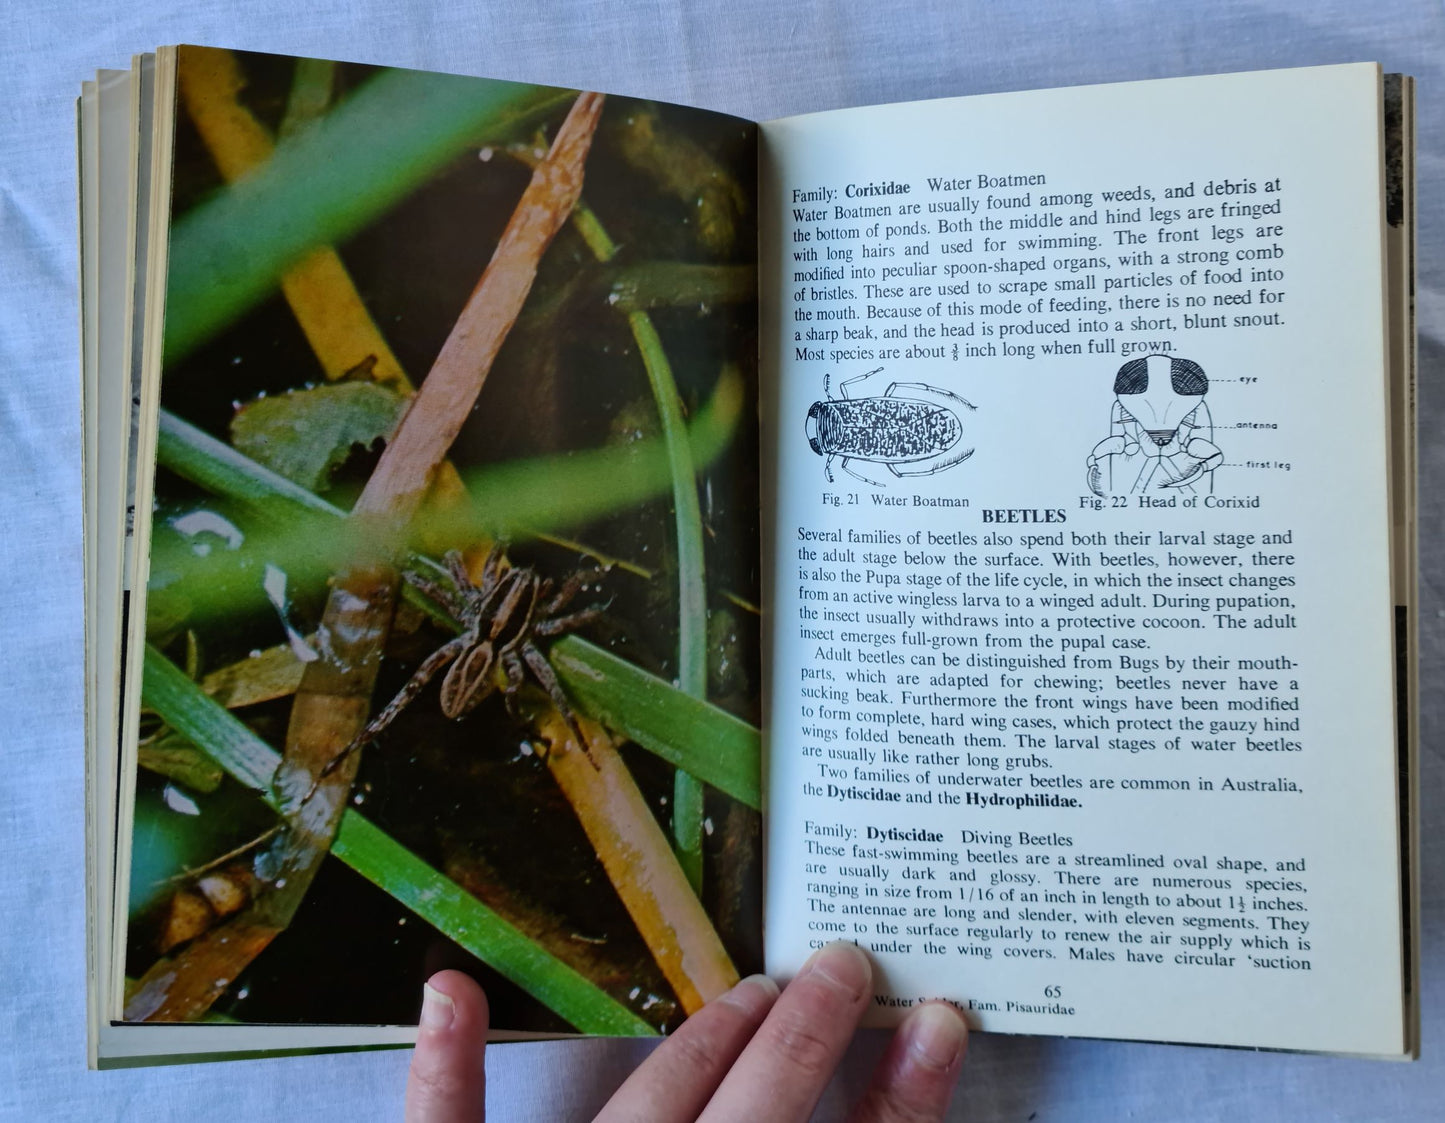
{"x": 447, "y": 560}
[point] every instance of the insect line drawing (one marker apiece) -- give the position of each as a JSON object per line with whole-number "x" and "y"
{"x": 501, "y": 618}
{"x": 1161, "y": 434}
{"x": 916, "y": 433}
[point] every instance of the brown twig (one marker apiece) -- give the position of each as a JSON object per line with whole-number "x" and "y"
{"x": 639, "y": 861}
{"x": 442, "y": 406}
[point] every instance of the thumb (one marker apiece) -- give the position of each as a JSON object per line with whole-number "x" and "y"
{"x": 447, "y": 1083}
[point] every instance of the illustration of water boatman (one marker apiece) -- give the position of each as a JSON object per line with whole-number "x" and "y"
{"x": 912, "y": 429}
{"x": 1161, "y": 434}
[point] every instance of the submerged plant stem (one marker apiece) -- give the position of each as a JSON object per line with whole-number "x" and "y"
{"x": 687, "y": 795}
{"x": 635, "y": 854}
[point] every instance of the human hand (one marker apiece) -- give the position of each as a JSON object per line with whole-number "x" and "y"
{"x": 750, "y": 1054}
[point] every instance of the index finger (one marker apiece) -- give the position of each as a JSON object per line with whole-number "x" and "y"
{"x": 786, "y": 1066}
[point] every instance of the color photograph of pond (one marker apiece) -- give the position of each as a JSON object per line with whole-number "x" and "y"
{"x": 542, "y": 306}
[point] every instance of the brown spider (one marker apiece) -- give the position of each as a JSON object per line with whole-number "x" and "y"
{"x": 500, "y": 619}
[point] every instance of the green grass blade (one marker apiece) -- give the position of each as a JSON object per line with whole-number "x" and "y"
{"x": 221, "y": 470}
{"x": 387, "y": 864}
{"x": 687, "y": 816}
{"x": 687, "y": 795}
{"x": 445, "y": 905}
{"x": 554, "y": 493}
{"x": 518, "y": 499}
{"x": 310, "y": 97}
{"x": 325, "y": 184}
{"x": 687, "y": 732}
{"x": 543, "y": 493}
{"x": 692, "y": 591}
{"x": 187, "y": 709}
{"x": 676, "y": 284}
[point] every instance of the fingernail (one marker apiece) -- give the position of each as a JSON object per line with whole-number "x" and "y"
{"x": 753, "y": 995}
{"x": 844, "y": 965}
{"x": 437, "y": 1010}
{"x": 936, "y": 1035}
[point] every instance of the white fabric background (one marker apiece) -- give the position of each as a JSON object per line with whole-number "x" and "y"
{"x": 756, "y": 58}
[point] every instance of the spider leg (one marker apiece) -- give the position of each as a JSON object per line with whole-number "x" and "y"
{"x": 560, "y": 625}
{"x": 548, "y": 678}
{"x": 457, "y": 567}
{"x": 516, "y": 674}
{"x": 424, "y": 674}
{"x": 437, "y": 592}
{"x": 491, "y": 568}
{"x": 570, "y": 588}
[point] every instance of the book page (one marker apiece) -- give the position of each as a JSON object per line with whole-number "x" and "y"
{"x": 372, "y": 741}
{"x": 108, "y": 183}
{"x": 1081, "y": 700}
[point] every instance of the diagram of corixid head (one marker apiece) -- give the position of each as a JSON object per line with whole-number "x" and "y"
{"x": 1161, "y": 434}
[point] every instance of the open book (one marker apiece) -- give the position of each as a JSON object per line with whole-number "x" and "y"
{"x": 610, "y": 547}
